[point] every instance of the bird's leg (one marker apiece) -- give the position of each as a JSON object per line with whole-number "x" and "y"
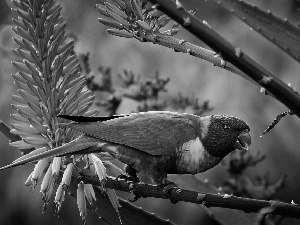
{"x": 132, "y": 177}
{"x": 131, "y": 171}
{"x": 131, "y": 174}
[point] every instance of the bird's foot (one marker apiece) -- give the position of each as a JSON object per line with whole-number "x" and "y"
{"x": 128, "y": 178}
{"x": 133, "y": 191}
{"x": 167, "y": 187}
{"x": 131, "y": 174}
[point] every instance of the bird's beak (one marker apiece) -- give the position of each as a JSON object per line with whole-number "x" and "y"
{"x": 243, "y": 141}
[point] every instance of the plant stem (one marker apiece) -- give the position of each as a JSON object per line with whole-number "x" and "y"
{"x": 260, "y": 75}
{"x": 208, "y": 200}
{"x": 186, "y": 47}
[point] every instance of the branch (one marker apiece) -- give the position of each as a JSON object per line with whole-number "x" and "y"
{"x": 103, "y": 208}
{"x": 234, "y": 55}
{"x": 186, "y": 47}
{"x": 280, "y": 32}
{"x": 208, "y": 200}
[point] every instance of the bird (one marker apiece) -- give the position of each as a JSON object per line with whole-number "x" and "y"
{"x": 155, "y": 143}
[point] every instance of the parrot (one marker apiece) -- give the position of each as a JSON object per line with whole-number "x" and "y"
{"x": 155, "y": 143}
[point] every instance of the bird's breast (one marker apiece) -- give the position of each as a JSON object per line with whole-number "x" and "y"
{"x": 192, "y": 158}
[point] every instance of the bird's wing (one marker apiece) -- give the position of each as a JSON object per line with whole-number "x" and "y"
{"x": 154, "y": 133}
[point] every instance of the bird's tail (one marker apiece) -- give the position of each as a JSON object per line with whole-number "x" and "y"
{"x": 81, "y": 143}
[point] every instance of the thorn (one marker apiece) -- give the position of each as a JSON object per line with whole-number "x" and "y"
{"x": 273, "y": 203}
{"x": 181, "y": 41}
{"x": 188, "y": 51}
{"x": 155, "y": 6}
{"x": 201, "y": 197}
{"x": 178, "y": 5}
{"x": 263, "y": 90}
{"x": 293, "y": 203}
{"x": 206, "y": 24}
{"x": 238, "y": 52}
{"x": 227, "y": 196}
{"x": 265, "y": 80}
{"x": 192, "y": 11}
{"x": 186, "y": 21}
{"x": 223, "y": 63}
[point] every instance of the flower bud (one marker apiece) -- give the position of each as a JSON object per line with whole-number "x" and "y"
{"x": 38, "y": 170}
{"x": 99, "y": 168}
{"x": 46, "y": 180}
{"x": 81, "y": 203}
{"x": 55, "y": 169}
{"x": 66, "y": 179}
{"x": 59, "y": 196}
{"x": 90, "y": 193}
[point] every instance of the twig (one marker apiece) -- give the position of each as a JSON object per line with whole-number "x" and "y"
{"x": 234, "y": 55}
{"x": 207, "y": 200}
{"x": 194, "y": 50}
{"x": 5, "y": 129}
{"x": 276, "y": 121}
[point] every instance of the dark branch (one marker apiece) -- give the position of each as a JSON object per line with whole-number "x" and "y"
{"x": 208, "y": 200}
{"x": 234, "y": 55}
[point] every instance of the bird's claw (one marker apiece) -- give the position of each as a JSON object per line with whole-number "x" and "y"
{"x": 128, "y": 178}
{"x": 173, "y": 201}
{"x": 166, "y": 188}
{"x": 135, "y": 198}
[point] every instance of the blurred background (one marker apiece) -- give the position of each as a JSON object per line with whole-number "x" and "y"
{"x": 227, "y": 93}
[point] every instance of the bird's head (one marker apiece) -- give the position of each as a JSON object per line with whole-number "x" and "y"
{"x": 225, "y": 134}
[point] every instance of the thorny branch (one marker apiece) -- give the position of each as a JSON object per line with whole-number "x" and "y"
{"x": 236, "y": 56}
{"x": 207, "y": 200}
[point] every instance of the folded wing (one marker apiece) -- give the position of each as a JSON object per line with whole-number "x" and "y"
{"x": 157, "y": 133}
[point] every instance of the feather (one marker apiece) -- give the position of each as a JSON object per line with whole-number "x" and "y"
{"x": 156, "y": 133}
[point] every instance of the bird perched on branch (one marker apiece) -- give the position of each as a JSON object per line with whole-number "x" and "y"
{"x": 154, "y": 143}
